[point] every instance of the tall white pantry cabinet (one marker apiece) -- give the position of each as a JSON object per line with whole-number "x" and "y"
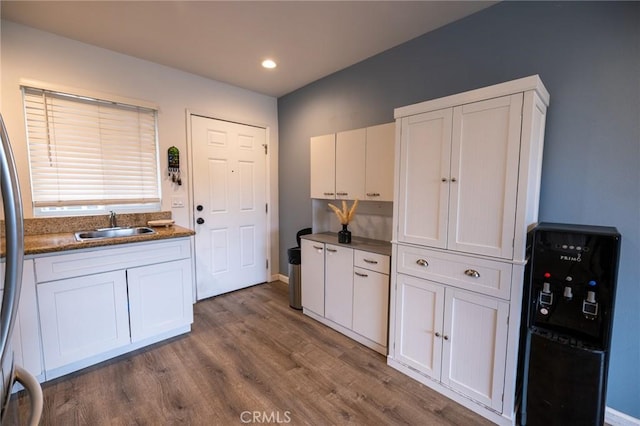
{"x": 467, "y": 182}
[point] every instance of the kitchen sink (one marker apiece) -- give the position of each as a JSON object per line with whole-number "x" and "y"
{"x": 113, "y": 233}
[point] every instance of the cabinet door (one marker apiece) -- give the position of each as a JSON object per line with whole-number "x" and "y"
{"x": 160, "y": 298}
{"x": 28, "y": 350}
{"x": 419, "y": 324}
{"x": 350, "y": 164}
{"x": 484, "y": 176}
{"x": 371, "y": 304}
{"x": 379, "y": 162}
{"x": 25, "y": 339}
{"x": 323, "y": 167}
{"x": 82, "y": 317}
{"x": 312, "y": 276}
{"x": 475, "y": 346}
{"x": 425, "y": 148}
{"x": 339, "y": 284}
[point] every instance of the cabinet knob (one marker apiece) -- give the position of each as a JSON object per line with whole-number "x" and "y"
{"x": 454, "y": 179}
{"x": 445, "y": 179}
{"x": 438, "y": 334}
{"x": 472, "y": 273}
{"x": 445, "y": 337}
{"x": 422, "y": 262}
{"x": 199, "y": 221}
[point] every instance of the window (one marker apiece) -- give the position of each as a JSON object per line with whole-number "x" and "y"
{"x": 88, "y": 155}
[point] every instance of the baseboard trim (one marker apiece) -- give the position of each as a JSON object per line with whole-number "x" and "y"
{"x": 616, "y": 418}
{"x": 283, "y": 278}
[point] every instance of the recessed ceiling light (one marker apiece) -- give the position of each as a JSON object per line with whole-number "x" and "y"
{"x": 269, "y": 63}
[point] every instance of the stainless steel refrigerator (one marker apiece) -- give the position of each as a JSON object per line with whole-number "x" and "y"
{"x": 12, "y": 241}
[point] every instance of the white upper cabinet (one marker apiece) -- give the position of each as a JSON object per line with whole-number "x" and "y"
{"x": 484, "y": 176}
{"x": 350, "y": 164}
{"x": 354, "y": 164}
{"x": 379, "y": 162}
{"x": 323, "y": 166}
{"x": 425, "y": 155}
{"x": 459, "y": 177}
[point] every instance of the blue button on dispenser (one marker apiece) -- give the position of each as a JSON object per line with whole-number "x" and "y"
{"x": 592, "y": 283}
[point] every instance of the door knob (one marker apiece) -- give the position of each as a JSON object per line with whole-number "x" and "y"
{"x": 199, "y": 207}
{"x": 199, "y": 221}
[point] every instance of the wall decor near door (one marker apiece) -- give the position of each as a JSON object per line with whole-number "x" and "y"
{"x": 468, "y": 173}
{"x": 229, "y": 195}
{"x": 173, "y": 161}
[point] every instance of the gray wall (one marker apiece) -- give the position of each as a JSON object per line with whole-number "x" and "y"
{"x": 588, "y": 56}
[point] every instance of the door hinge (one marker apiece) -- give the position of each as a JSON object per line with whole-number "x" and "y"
{"x": 266, "y": 208}
{"x": 265, "y": 148}
{"x": 267, "y": 263}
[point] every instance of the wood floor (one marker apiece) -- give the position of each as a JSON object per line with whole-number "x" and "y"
{"x": 250, "y": 358}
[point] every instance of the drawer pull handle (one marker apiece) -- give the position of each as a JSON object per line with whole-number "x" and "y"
{"x": 328, "y": 193}
{"x": 373, "y": 262}
{"x": 422, "y": 262}
{"x": 342, "y": 193}
{"x": 318, "y": 247}
{"x": 331, "y": 250}
{"x": 373, "y": 194}
{"x": 472, "y": 273}
{"x": 361, "y": 275}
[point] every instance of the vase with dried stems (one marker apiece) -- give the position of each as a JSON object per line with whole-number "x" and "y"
{"x": 345, "y": 215}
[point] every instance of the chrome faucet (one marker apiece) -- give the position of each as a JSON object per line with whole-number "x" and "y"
{"x": 113, "y": 222}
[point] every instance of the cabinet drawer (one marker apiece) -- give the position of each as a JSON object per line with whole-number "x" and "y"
{"x": 479, "y": 275}
{"x": 69, "y": 265}
{"x": 372, "y": 261}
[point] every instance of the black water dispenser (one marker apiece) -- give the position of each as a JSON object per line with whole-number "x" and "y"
{"x": 569, "y": 295}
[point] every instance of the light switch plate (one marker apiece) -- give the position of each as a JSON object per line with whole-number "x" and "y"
{"x": 177, "y": 203}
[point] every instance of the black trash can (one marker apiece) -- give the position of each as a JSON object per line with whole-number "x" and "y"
{"x": 295, "y": 295}
{"x": 295, "y": 291}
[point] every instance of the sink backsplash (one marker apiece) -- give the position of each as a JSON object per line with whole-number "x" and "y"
{"x": 54, "y": 225}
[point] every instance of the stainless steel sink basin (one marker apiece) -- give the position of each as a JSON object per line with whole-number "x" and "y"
{"x": 113, "y": 233}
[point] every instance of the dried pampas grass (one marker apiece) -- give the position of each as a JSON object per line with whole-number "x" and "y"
{"x": 345, "y": 215}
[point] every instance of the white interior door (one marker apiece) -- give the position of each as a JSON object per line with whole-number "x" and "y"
{"x": 229, "y": 195}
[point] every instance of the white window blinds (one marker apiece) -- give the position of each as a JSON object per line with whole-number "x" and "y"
{"x": 86, "y": 151}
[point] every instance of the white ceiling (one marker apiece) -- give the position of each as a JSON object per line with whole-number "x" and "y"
{"x": 227, "y": 40}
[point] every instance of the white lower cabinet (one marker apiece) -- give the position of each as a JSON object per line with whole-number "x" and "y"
{"x": 159, "y": 299}
{"x": 456, "y": 337}
{"x": 312, "y": 276}
{"x": 98, "y": 304}
{"x": 82, "y": 317}
{"x": 26, "y": 344}
{"x": 338, "y": 285}
{"x": 371, "y": 304}
{"x": 348, "y": 290}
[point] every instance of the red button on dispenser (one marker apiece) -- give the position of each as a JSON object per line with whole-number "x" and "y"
{"x": 547, "y": 275}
